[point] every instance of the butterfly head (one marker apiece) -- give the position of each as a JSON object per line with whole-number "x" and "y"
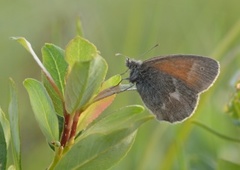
{"x": 134, "y": 67}
{"x": 132, "y": 64}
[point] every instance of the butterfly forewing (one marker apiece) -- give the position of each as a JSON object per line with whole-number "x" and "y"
{"x": 196, "y": 72}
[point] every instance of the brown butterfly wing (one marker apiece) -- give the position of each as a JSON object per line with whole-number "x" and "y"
{"x": 168, "y": 98}
{"x": 170, "y": 85}
{"x": 197, "y": 72}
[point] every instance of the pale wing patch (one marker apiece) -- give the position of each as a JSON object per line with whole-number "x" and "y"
{"x": 175, "y": 95}
{"x": 163, "y": 106}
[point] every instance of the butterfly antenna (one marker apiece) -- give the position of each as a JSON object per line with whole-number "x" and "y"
{"x": 126, "y": 57}
{"x": 120, "y": 54}
{"x": 149, "y": 50}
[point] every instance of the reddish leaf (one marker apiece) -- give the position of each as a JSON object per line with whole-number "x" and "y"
{"x": 93, "y": 111}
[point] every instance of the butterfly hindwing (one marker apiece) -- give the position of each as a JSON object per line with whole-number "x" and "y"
{"x": 171, "y": 100}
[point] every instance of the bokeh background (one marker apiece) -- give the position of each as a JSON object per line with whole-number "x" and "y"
{"x": 203, "y": 27}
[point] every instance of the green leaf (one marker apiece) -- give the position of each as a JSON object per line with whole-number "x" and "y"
{"x": 80, "y": 49}
{"x": 234, "y": 106}
{"x": 43, "y": 109}
{"x": 130, "y": 117}
{"x": 83, "y": 82}
{"x": 14, "y": 124}
{"x": 24, "y": 43}
{"x": 106, "y": 141}
{"x": 56, "y": 99}
{"x": 53, "y": 60}
{"x": 4, "y": 139}
{"x": 112, "y": 81}
{"x": 28, "y": 47}
{"x": 216, "y": 132}
{"x": 6, "y": 127}
{"x": 3, "y": 148}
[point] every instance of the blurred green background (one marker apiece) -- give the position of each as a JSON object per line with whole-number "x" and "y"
{"x": 203, "y": 27}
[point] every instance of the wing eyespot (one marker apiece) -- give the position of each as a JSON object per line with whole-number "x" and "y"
{"x": 202, "y": 68}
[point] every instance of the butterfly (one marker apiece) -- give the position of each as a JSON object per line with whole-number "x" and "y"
{"x": 170, "y": 86}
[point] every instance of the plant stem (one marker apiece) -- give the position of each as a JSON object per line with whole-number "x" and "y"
{"x": 74, "y": 124}
{"x": 57, "y": 157}
{"x": 67, "y": 129}
{"x": 216, "y": 133}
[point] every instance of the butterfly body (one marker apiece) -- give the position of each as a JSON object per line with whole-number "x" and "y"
{"x": 170, "y": 86}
